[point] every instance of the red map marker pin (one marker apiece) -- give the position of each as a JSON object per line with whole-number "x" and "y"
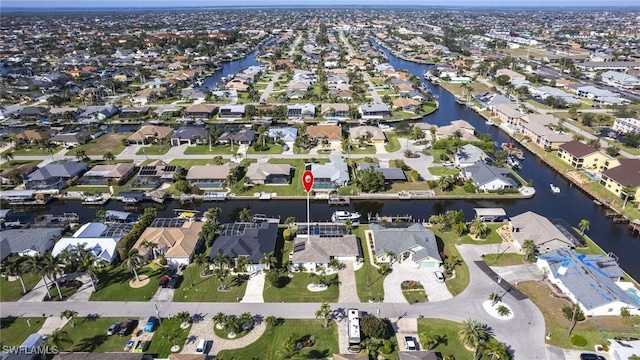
{"x": 307, "y": 180}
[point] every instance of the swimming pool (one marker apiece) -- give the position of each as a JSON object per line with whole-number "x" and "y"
{"x": 591, "y": 176}
{"x": 633, "y": 293}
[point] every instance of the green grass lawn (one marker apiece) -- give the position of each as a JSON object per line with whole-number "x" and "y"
{"x": 268, "y": 346}
{"x": 12, "y": 290}
{"x": 492, "y": 236}
{"x": 355, "y": 149}
{"x": 90, "y": 335}
{"x": 33, "y": 150}
{"x": 461, "y": 281}
{"x": 296, "y": 291}
{"x": 113, "y": 285}
{"x": 111, "y": 142}
{"x": 415, "y": 296}
{"x": 160, "y": 345}
{"x": 273, "y": 149}
{"x": 557, "y": 325}
{"x": 14, "y": 331}
{"x": 448, "y": 330}
{"x": 393, "y": 144}
{"x": 65, "y": 291}
{"x": 369, "y": 282}
{"x": 188, "y": 163}
{"x": 206, "y": 288}
{"x": 215, "y": 150}
{"x": 436, "y": 153}
{"x": 153, "y": 150}
{"x": 443, "y": 171}
{"x": 295, "y": 185}
{"x": 16, "y": 163}
{"x": 505, "y": 259}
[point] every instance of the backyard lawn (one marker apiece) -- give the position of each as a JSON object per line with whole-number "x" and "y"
{"x": 12, "y": 290}
{"x": 153, "y": 150}
{"x": 160, "y": 345}
{"x": 369, "y": 282}
{"x": 216, "y": 150}
{"x": 111, "y": 142}
{"x": 90, "y": 334}
{"x": 14, "y": 331}
{"x": 269, "y": 345}
{"x": 113, "y": 285}
{"x": 206, "y": 288}
{"x": 296, "y": 290}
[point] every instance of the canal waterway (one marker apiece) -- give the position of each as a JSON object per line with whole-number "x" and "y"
{"x": 571, "y": 204}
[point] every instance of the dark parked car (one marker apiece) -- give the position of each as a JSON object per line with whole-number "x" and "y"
{"x": 170, "y": 271}
{"x": 113, "y": 329}
{"x": 590, "y": 356}
{"x": 174, "y": 282}
{"x": 125, "y": 327}
{"x": 164, "y": 280}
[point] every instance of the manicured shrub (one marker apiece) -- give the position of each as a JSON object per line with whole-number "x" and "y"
{"x": 578, "y": 340}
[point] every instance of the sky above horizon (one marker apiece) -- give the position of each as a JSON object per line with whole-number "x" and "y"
{"x": 214, "y": 3}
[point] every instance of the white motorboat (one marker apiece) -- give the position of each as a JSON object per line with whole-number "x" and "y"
{"x": 490, "y": 123}
{"x": 342, "y": 216}
{"x": 554, "y": 189}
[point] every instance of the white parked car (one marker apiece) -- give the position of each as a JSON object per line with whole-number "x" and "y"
{"x": 439, "y": 276}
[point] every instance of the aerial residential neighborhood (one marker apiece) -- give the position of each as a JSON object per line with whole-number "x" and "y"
{"x": 318, "y": 182}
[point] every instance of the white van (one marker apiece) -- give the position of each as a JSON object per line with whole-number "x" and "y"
{"x": 202, "y": 347}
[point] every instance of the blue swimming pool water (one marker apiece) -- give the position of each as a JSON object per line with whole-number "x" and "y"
{"x": 634, "y": 295}
{"x": 591, "y": 176}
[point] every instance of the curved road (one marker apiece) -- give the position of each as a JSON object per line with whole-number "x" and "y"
{"x": 524, "y": 334}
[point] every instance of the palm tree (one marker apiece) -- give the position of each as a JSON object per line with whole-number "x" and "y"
{"x": 222, "y": 260}
{"x": 51, "y": 266}
{"x": 472, "y": 334}
{"x": 219, "y": 318}
{"x": 92, "y": 271}
{"x": 201, "y": 260}
{"x": 389, "y": 255}
{"x": 14, "y": 266}
{"x": 35, "y": 264}
{"x": 132, "y": 261}
{"x": 245, "y": 215}
{"x": 478, "y": 228}
{"x": 173, "y": 337}
{"x": 628, "y": 191}
{"x": 221, "y": 275}
{"x": 108, "y": 156}
{"x": 269, "y": 259}
{"x": 445, "y": 182}
{"x": 7, "y": 156}
{"x": 81, "y": 155}
{"x": 529, "y": 248}
{"x": 58, "y": 338}
{"x": 241, "y": 263}
{"x": 212, "y": 214}
{"x": 583, "y": 225}
{"x": 183, "y": 317}
{"x": 495, "y": 298}
{"x": 324, "y": 313}
{"x": 149, "y": 246}
{"x": 69, "y": 315}
{"x": 503, "y": 310}
{"x": 496, "y": 350}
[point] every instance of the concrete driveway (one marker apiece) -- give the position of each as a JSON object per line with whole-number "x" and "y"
{"x": 406, "y": 327}
{"x": 408, "y": 270}
{"x": 518, "y": 273}
{"x": 163, "y": 295}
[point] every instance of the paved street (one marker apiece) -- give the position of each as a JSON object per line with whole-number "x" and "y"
{"x": 267, "y": 91}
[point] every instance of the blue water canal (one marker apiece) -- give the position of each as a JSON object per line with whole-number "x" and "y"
{"x": 571, "y": 204}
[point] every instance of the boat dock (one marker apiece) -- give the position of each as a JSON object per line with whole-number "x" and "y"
{"x": 337, "y": 201}
{"x": 214, "y": 196}
{"x": 394, "y": 218}
{"x": 96, "y": 200}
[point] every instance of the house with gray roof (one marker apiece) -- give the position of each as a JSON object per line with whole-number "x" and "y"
{"x": 74, "y": 138}
{"x": 27, "y": 242}
{"x": 243, "y": 136}
{"x": 231, "y": 112}
{"x": 210, "y": 176}
{"x": 246, "y": 239}
{"x": 329, "y": 176}
{"x": 269, "y": 174}
{"x": 301, "y": 111}
{"x": 374, "y": 111}
{"x": 486, "y": 177}
{"x": 316, "y": 250}
{"x": 54, "y": 176}
{"x": 406, "y": 242}
{"x": 390, "y": 174}
{"x": 546, "y": 235}
{"x": 283, "y": 133}
{"x": 590, "y": 281}
{"x": 468, "y": 155}
{"x": 190, "y": 135}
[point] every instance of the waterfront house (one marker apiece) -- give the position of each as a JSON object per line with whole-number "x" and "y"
{"x": 373, "y": 111}
{"x": 243, "y": 136}
{"x": 406, "y": 104}
{"x": 590, "y": 281}
{"x": 329, "y": 176}
{"x": 404, "y": 242}
{"x": 111, "y": 174}
{"x": 89, "y": 114}
{"x": 210, "y": 176}
{"x": 468, "y": 155}
{"x": 513, "y": 76}
{"x": 488, "y": 100}
{"x": 149, "y": 134}
{"x": 231, "y": 112}
{"x": 626, "y": 173}
{"x": 488, "y": 178}
{"x": 54, "y": 176}
{"x": 176, "y": 239}
{"x": 283, "y": 133}
{"x": 335, "y": 111}
{"x": 460, "y": 127}
{"x": 390, "y": 174}
{"x": 317, "y": 250}
{"x": 16, "y": 173}
{"x": 99, "y": 239}
{"x": 332, "y": 132}
{"x": 546, "y": 235}
{"x": 74, "y": 138}
{"x": 582, "y": 156}
{"x": 536, "y": 127}
{"x": 269, "y": 174}
{"x": 190, "y": 135}
{"x": 32, "y": 136}
{"x": 155, "y": 174}
{"x": 134, "y": 112}
{"x": 246, "y": 239}
{"x": 200, "y": 111}
{"x": 508, "y": 113}
{"x": 370, "y": 134}
{"x": 301, "y": 111}
{"x": 27, "y": 242}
